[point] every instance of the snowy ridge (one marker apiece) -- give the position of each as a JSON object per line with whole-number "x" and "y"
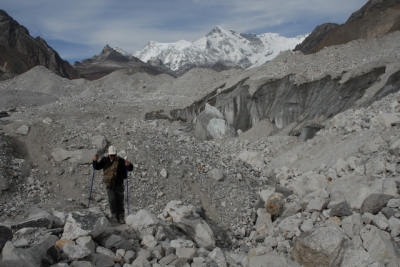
{"x": 230, "y": 47}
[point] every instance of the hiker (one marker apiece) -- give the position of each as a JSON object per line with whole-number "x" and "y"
{"x": 114, "y": 173}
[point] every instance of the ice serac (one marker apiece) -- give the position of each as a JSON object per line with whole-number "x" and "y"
{"x": 283, "y": 101}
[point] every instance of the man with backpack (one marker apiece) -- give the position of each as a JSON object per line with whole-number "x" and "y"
{"x": 114, "y": 172}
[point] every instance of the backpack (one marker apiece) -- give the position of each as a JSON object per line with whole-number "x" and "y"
{"x": 110, "y": 174}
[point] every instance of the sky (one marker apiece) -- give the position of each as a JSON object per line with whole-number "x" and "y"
{"x": 79, "y": 29}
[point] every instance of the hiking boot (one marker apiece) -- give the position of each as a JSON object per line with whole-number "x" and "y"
{"x": 121, "y": 219}
{"x": 112, "y": 217}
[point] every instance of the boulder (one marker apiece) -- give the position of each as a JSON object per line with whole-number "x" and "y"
{"x": 253, "y": 158}
{"x": 313, "y": 248}
{"x": 375, "y": 202}
{"x": 379, "y": 246}
{"x": 75, "y": 252}
{"x": 142, "y": 219}
{"x": 83, "y": 223}
{"x": 275, "y": 204}
{"x": 10, "y": 256}
{"x": 216, "y": 174}
{"x": 186, "y": 218}
{"x": 341, "y": 209}
{"x": 39, "y": 250}
{"x": 352, "y": 225}
{"x": 23, "y": 130}
{"x": 264, "y": 222}
{"x": 100, "y": 143}
{"x": 37, "y": 218}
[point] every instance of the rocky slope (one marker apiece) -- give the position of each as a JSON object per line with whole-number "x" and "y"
{"x": 20, "y": 52}
{"x": 263, "y": 196}
{"x": 308, "y": 46}
{"x": 375, "y": 19}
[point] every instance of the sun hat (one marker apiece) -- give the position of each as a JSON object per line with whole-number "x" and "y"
{"x": 112, "y": 150}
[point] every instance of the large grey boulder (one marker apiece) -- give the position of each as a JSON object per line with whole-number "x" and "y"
{"x": 375, "y": 202}
{"x": 83, "y": 223}
{"x": 10, "y": 256}
{"x": 359, "y": 258}
{"x": 38, "y": 251}
{"x": 379, "y": 245}
{"x": 186, "y": 218}
{"x": 354, "y": 189}
{"x": 75, "y": 252}
{"x": 100, "y": 143}
{"x": 323, "y": 246}
{"x": 37, "y": 218}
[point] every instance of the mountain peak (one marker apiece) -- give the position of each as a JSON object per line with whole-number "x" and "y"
{"x": 107, "y": 49}
{"x": 217, "y": 30}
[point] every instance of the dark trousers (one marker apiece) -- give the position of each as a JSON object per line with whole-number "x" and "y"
{"x": 116, "y": 200}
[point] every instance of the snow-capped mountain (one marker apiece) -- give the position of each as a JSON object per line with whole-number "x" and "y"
{"x": 229, "y": 47}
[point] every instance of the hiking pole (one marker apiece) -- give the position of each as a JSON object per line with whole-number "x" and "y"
{"x": 91, "y": 185}
{"x": 127, "y": 189}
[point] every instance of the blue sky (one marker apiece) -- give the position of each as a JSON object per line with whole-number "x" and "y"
{"x": 79, "y": 29}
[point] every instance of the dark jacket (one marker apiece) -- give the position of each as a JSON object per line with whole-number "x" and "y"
{"x": 105, "y": 163}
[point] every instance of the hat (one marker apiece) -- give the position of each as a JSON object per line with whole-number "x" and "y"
{"x": 112, "y": 150}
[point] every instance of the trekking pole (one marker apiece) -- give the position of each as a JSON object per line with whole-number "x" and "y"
{"x": 91, "y": 185}
{"x": 127, "y": 189}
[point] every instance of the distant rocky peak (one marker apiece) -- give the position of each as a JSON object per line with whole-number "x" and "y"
{"x": 107, "y": 50}
{"x": 109, "y": 53}
{"x": 8, "y": 24}
{"x": 21, "y": 52}
{"x": 218, "y": 31}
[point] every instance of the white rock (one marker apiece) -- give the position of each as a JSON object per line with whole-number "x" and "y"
{"x": 377, "y": 243}
{"x": 140, "y": 220}
{"x": 23, "y": 130}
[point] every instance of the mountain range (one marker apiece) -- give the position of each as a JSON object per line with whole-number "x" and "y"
{"x": 219, "y": 50}
{"x": 220, "y": 45}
